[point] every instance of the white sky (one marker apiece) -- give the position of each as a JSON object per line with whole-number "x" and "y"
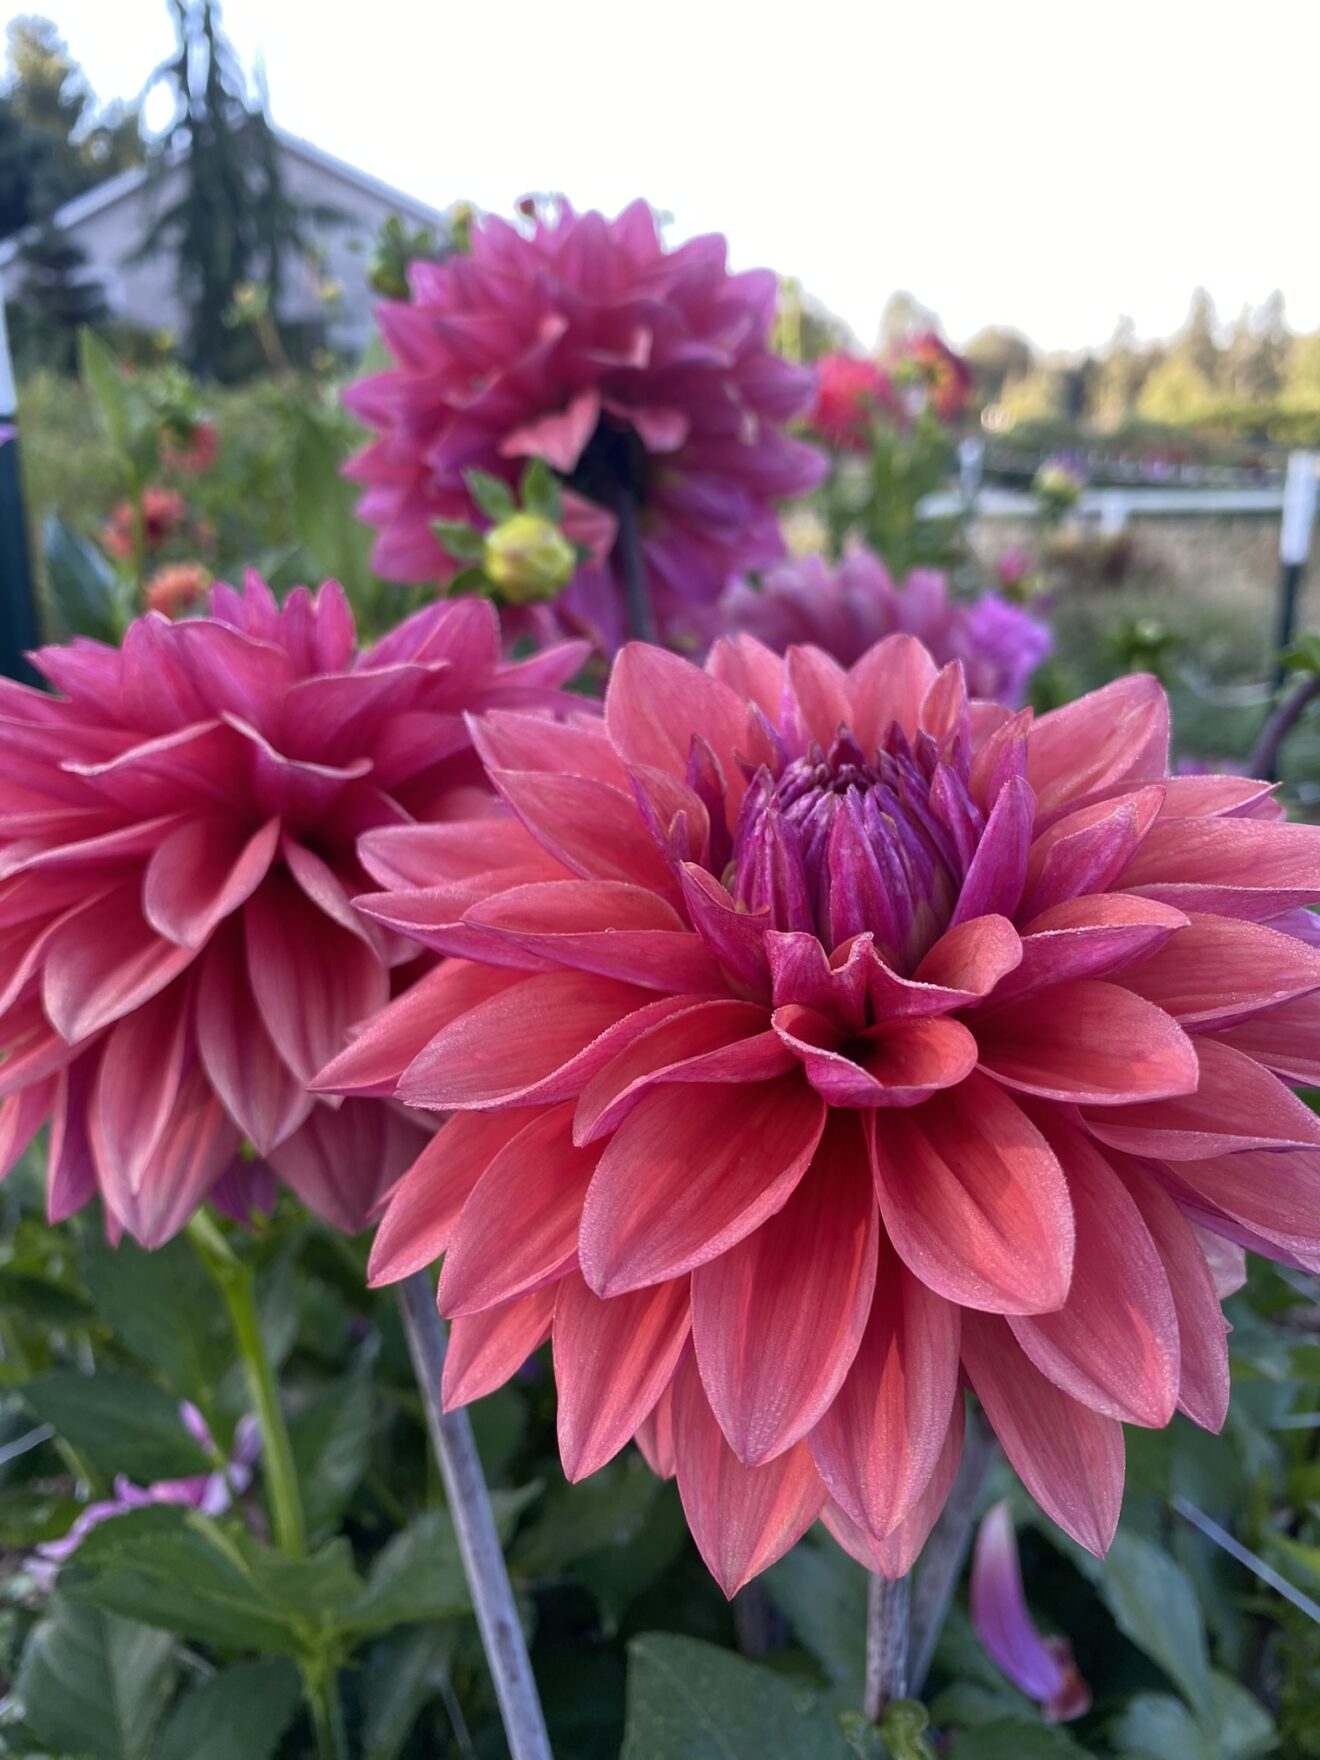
{"x": 1045, "y": 165}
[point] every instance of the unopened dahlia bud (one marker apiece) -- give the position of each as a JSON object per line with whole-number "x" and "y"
{"x": 528, "y": 558}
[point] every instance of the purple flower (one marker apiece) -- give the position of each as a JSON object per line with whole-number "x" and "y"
{"x": 845, "y": 609}
{"x": 1043, "y": 1668}
{"x": 211, "y": 1493}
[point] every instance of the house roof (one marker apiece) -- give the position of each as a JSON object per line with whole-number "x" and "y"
{"x": 126, "y": 184}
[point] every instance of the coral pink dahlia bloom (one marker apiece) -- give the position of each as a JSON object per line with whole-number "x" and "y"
{"x": 821, "y": 1041}
{"x": 637, "y": 373}
{"x": 852, "y": 394}
{"x": 178, "y": 955}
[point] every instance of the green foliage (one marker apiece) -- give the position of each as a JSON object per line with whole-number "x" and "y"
{"x": 93, "y": 1685}
{"x": 118, "y": 1421}
{"x": 690, "y": 1701}
{"x": 239, "y": 1714}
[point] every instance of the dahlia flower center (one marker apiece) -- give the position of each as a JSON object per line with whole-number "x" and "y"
{"x": 840, "y": 843}
{"x": 613, "y": 466}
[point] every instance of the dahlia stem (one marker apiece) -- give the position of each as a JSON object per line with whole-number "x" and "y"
{"x": 637, "y": 599}
{"x": 886, "y": 1644}
{"x": 946, "y": 1551}
{"x": 474, "y": 1524}
{"x": 1264, "y": 759}
{"x": 234, "y": 1280}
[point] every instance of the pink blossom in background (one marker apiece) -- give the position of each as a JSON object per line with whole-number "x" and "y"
{"x": 852, "y": 394}
{"x": 212, "y": 1493}
{"x": 845, "y": 608}
{"x": 1042, "y": 1668}
{"x": 632, "y": 370}
{"x": 178, "y": 829}
{"x": 163, "y": 512}
{"x": 864, "y": 1040}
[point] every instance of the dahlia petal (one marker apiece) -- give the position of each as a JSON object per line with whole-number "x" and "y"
{"x": 201, "y": 873}
{"x": 311, "y": 979}
{"x": 899, "y": 1064}
{"x": 974, "y": 1200}
{"x": 655, "y": 1436}
{"x": 777, "y": 1320}
{"x": 519, "y": 1226}
{"x": 558, "y": 438}
{"x": 1087, "y": 1041}
{"x": 341, "y": 1160}
{"x": 532, "y": 1042}
{"x": 488, "y": 1349}
{"x": 613, "y": 1360}
{"x": 1086, "y": 937}
{"x": 817, "y": 701}
{"x": 131, "y": 1116}
{"x": 1238, "y": 1105}
{"x": 384, "y": 1046}
{"x": 1113, "y": 1345}
{"x": 1069, "y": 1458}
{"x": 70, "y": 1163}
{"x": 423, "y": 1207}
{"x": 507, "y": 741}
{"x": 21, "y": 1117}
{"x": 1203, "y": 1334}
{"x": 689, "y": 1173}
{"x": 1286, "y": 1040}
{"x": 1087, "y": 850}
{"x": 750, "y": 669}
{"x": 103, "y": 962}
{"x": 995, "y": 877}
{"x": 190, "y": 1155}
{"x": 736, "y": 937}
{"x": 894, "y": 1554}
{"x": 888, "y": 684}
{"x": 656, "y": 702}
{"x": 1221, "y": 969}
{"x": 1115, "y": 735}
{"x": 881, "y": 1439}
{"x": 330, "y": 894}
{"x": 971, "y": 957}
{"x": 836, "y": 985}
{"x": 402, "y": 858}
{"x": 1000, "y": 758}
{"x": 167, "y": 774}
{"x": 591, "y": 827}
{"x": 721, "y": 1040}
{"x": 742, "y": 1518}
{"x": 1233, "y": 867}
{"x": 606, "y": 926}
{"x": 1200, "y": 797}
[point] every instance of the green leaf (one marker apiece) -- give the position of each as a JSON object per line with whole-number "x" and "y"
{"x": 109, "y": 393}
{"x": 539, "y": 491}
{"x": 324, "y": 519}
{"x": 418, "y": 1577}
{"x": 132, "y": 1290}
{"x": 822, "y": 1592}
{"x": 332, "y": 1439}
{"x": 607, "y": 1510}
{"x": 1154, "y": 1604}
{"x": 42, "y": 1299}
{"x": 1012, "y": 1739}
{"x": 1244, "y": 1727}
{"x": 1156, "y": 1726}
{"x": 213, "y": 1583}
{"x": 86, "y": 590}
{"x": 494, "y": 497}
{"x": 691, "y": 1701}
{"x": 93, "y": 1685}
{"x": 401, "y": 1675}
{"x": 240, "y": 1714}
{"x": 463, "y": 542}
{"x": 121, "y": 1423}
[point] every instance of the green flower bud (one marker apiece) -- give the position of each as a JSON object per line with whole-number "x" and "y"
{"x": 528, "y": 558}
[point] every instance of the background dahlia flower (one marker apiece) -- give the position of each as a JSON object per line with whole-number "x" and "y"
{"x": 639, "y": 374}
{"x": 178, "y": 955}
{"x": 819, "y": 1041}
{"x": 847, "y": 607}
{"x": 852, "y": 394}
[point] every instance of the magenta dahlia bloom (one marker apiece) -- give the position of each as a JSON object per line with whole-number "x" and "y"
{"x": 847, "y": 607}
{"x": 818, "y": 1042}
{"x": 642, "y": 376}
{"x": 178, "y": 955}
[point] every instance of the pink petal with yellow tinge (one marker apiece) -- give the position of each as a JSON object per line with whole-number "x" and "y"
{"x": 424, "y": 1206}
{"x": 691, "y": 1171}
{"x": 1113, "y": 1344}
{"x": 487, "y": 1349}
{"x": 1238, "y": 1105}
{"x": 879, "y": 1443}
{"x": 1116, "y": 735}
{"x": 894, "y": 1554}
{"x": 1087, "y": 1041}
{"x": 1069, "y": 1458}
{"x": 1222, "y": 970}
{"x": 742, "y": 1518}
{"x": 527, "y": 1045}
{"x": 778, "y": 1319}
{"x": 529, "y": 1201}
{"x": 613, "y": 1360}
{"x": 975, "y": 1201}
{"x": 656, "y": 702}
